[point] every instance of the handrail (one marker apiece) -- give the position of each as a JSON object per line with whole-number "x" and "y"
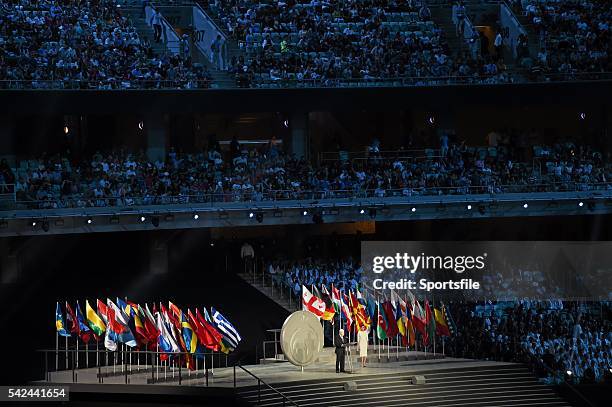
{"x": 259, "y": 381}
{"x": 306, "y": 195}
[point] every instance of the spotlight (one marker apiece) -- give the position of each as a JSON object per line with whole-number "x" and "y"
{"x": 45, "y": 225}
{"x": 155, "y": 221}
{"x": 33, "y": 223}
{"x": 212, "y": 244}
{"x": 251, "y": 214}
{"x": 89, "y": 221}
{"x": 259, "y": 216}
{"x": 142, "y": 218}
{"x": 582, "y": 115}
{"x": 413, "y": 209}
{"x": 469, "y": 207}
{"x": 372, "y": 213}
{"x": 431, "y": 120}
{"x": 140, "y": 125}
{"x": 286, "y": 123}
{"x": 581, "y": 204}
{"x": 362, "y": 211}
{"x": 305, "y": 212}
{"x": 196, "y": 216}
{"x": 569, "y": 372}
{"x": 66, "y": 130}
{"x": 525, "y": 205}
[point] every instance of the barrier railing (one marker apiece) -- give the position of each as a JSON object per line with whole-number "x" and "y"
{"x": 254, "y": 198}
{"x": 141, "y": 366}
{"x": 285, "y": 398}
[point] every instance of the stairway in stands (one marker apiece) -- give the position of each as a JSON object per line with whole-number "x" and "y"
{"x": 279, "y": 295}
{"x": 506, "y": 385}
{"x": 143, "y": 29}
{"x": 443, "y": 16}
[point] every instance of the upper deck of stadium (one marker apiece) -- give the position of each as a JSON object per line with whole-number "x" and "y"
{"x": 211, "y": 44}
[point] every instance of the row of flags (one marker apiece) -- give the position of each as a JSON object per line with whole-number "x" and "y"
{"x": 391, "y": 317}
{"x": 167, "y": 329}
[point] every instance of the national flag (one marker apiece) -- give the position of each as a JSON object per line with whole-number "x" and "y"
{"x": 346, "y": 311}
{"x": 225, "y": 328}
{"x": 335, "y": 294}
{"x": 371, "y": 308}
{"x": 84, "y": 331}
{"x": 359, "y": 313}
{"x": 119, "y": 326}
{"x": 138, "y": 327}
{"x": 430, "y": 323}
{"x": 93, "y": 319}
{"x": 189, "y": 335}
{"x": 125, "y": 308}
{"x": 71, "y": 320}
{"x": 213, "y": 339}
{"x": 311, "y": 303}
{"x": 149, "y": 325}
{"x": 390, "y": 317}
{"x": 60, "y": 327}
{"x": 360, "y": 298}
{"x": 204, "y": 337}
{"x": 409, "y": 326}
{"x": 101, "y": 306}
{"x": 441, "y": 324}
{"x": 418, "y": 318}
{"x": 330, "y": 311}
{"x": 452, "y": 326}
{"x": 381, "y": 326}
{"x": 166, "y": 342}
{"x": 400, "y": 309}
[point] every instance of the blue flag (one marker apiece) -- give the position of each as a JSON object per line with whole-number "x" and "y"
{"x": 60, "y": 327}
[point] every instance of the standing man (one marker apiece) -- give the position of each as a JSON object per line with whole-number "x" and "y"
{"x": 215, "y": 50}
{"x": 247, "y": 254}
{"x": 156, "y": 22}
{"x": 498, "y": 44}
{"x": 340, "y": 344}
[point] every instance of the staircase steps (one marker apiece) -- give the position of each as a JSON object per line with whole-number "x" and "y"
{"x": 273, "y": 293}
{"x": 506, "y": 385}
{"x": 443, "y": 16}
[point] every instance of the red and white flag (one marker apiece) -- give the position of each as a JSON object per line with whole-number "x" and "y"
{"x": 312, "y": 303}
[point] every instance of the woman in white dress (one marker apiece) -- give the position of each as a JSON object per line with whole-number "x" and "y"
{"x": 362, "y": 342}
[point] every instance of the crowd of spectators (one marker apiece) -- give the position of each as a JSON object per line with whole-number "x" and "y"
{"x": 84, "y": 44}
{"x": 121, "y": 178}
{"x": 337, "y": 43}
{"x": 574, "y": 35}
{"x": 344, "y": 274}
{"x": 560, "y": 340}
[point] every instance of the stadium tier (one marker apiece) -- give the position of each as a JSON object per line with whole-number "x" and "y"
{"x": 114, "y": 44}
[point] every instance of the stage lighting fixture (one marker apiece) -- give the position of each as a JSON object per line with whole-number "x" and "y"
{"x": 591, "y": 205}
{"x": 155, "y": 221}
{"x": 525, "y": 205}
{"x": 212, "y": 244}
{"x": 251, "y": 214}
{"x": 361, "y": 211}
{"x": 413, "y": 209}
{"x": 431, "y": 120}
{"x": 141, "y": 125}
{"x": 89, "y": 221}
{"x": 66, "y": 130}
{"x": 372, "y": 213}
{"x": 581, "y": 204}
{"x": 196, "y": 216}
{"x": 259, "y": 217}
{"x": 142, "y": 218}
{"x": 469, "y": 207}
{"x": 304, "y": 212}
{"x": 45, "y": 225}
{"x": 34, "y": 223}
{"x": 582, "y": 115}
{"x": 569, "y": 372}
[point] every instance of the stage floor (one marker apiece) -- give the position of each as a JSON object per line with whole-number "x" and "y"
{"x": 390, "y": 361}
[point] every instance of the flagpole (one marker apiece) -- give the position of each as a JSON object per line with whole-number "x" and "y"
{"x": 87, "y": 354}
{"x": 56, "y": 350}
{"x": 77, "y": 350}
{"x": 66, "y": 340}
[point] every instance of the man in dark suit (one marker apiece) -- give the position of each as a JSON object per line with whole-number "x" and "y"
{"x": 341, "y": 343}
